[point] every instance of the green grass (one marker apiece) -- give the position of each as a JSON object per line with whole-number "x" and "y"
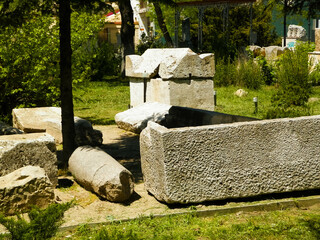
{"x": 286, "y": 224}
{"x": 98, "y": 102}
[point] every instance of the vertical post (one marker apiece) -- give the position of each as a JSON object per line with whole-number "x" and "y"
{"x": 200, "y": 15}
{"x": 255, "y": 100}
{"x": 250, "y": 33}
{"x": 176, "y": 29}
{"x": 285, "y": 23}
{"x": 215, "y": 98}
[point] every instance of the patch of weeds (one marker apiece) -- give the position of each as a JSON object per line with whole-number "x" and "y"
{"x": 43, "y": 224}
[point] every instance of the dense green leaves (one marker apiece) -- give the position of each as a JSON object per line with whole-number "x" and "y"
{"x": 29, "y": 60}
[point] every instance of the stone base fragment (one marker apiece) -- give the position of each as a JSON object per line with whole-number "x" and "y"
{"x": 26, "y": 187}
{"x": 98, "y": 172}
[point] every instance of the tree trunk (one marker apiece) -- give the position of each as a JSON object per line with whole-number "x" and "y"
{"x": 68, "y": 130}
{"x": 127, "y": 31}
{"x": 162, "y": 24}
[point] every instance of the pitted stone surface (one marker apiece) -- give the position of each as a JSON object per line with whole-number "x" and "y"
{"x": 170, "y": 63}
{"x": 136, "y": 119}
{"x": 36, "y": 149}
{"x": 197, "y": 164}
{"x": 97, "y": 171}
{"x": 26, "y": 187}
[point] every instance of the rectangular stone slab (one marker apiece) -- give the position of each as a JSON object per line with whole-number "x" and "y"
{"x": 197, "y": 164}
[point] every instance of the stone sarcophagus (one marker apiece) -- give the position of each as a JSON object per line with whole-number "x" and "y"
{"x": 234, "y": 160}
{"x": 174, "y": 76}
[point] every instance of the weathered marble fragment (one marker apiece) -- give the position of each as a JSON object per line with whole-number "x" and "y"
{"x": 98, "y": 172}
{"x": 23, "y": 188}
{"x": 136, "y": 119}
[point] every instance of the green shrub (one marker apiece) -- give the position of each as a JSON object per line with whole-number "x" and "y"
{"x": 225, "y": 74}
{"x": 242, "y": 73}
{"x": 43, "y": 224}
{"x": 148, "y": 42}
{"x": 29, "y": 60}
{"x": 249, "y": 74}
{"x": 293, "y": 84}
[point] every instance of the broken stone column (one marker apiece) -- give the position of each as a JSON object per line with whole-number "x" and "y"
{"x": 173, "y": 76}
{"x": 97, "y": 171}
{"x": 36, "y": 149}
{"x": 24, "y": 188}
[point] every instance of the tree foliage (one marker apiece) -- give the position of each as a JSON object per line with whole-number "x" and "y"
{"x": 29, "y": 60}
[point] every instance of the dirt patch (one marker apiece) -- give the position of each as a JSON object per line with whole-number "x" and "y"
{"x": 124, "y": 147}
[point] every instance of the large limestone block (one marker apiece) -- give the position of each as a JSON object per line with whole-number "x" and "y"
{"x": 36, "y": 149}
{"x": 48, "y": 119}
{"x": 194, "y": 93}
{"x": 170, "y": 63}
{"x": 97, "y": 171}
{"x": 136, "y": 119}
{"x": 205, "y": 163}
{"x": 25, "y": 187}
{"x": 317, "y": 35}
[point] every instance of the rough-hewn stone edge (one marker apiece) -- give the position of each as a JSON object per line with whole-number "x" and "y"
{"x": 154, "y": 133}
{"x": 260, "y": 207}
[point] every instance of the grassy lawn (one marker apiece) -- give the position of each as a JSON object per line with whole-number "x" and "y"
{"x": 98, "y": 102}
{"x": 286, "y": 224}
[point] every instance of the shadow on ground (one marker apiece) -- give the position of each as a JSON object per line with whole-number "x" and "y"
{"x": 126, "y": 150}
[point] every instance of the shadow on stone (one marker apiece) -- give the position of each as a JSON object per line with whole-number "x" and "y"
{"x": 274, "y": 196}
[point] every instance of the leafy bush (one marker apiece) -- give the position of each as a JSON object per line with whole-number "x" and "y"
{"x": 148, "y": 42}
{"x": 249, "y": 74}
{"x": 29, "y": 65}
{"x": 314, "y": 75}
{"x": 294, "y": 88}
{"x": 43, "y": 223}
{"x": 242, "y": 73}
{"x": 29, "y": 60}
{"x": 225, "y": 74}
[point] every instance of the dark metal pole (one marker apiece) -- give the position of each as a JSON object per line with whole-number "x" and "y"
{"x": 176, "y": 29}
{"x": 200, "y": 15}
{"x": 250, "y": 37}
{"x": 285, "y": 23}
